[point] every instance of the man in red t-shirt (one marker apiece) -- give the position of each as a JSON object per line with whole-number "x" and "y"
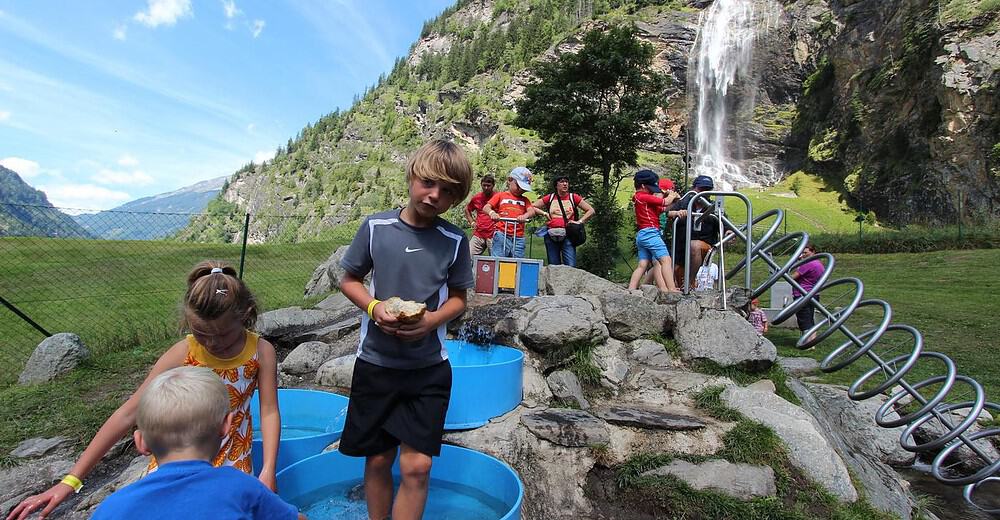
{"x": 511, "y": 210}
{"x": 480, "y": 221}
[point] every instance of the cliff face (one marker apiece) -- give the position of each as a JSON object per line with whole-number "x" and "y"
{"x": 897, "y": 99}
{"x": 903, "y": 106}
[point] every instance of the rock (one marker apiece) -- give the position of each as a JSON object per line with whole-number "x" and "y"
{"x": 294, "y": 325}
{"x": 798, "y": 366}
{"x": 337, "y": 304}
{"x": 565, "y": 386}
{"x": 551, "y": 323}
{"x": 135, "y": 470}
{"x": 306, "y": 358}
{"x": 647, "y": 418}
{"x": 337, "y": 373}
{"x": 567, "y": 427}
{"x": 38, "y": 446}
{"x": 808, "y": 449}
{"x": 535, "y": 389}
{"x": 863, "y": 445}
{"x": 764, "y": 385}
{"x": 553, "y": 475}
{"x": 667, "y": 386}
{"x": 725, "y": 338}
{"x": 326, "y": 276}
{"x": 630, "y": 317}
{"x": 650, "y": 353}
{"x": 19, "y": 482}
{"x": 742, "y": 481}
{"x": 55, "y": 355}
{"x": 610, "y": 359}
{"x": 565, "y": 280}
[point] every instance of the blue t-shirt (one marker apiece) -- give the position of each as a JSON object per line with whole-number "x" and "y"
{"x": 194, "y": 489}
{"x": 418, "y": 264}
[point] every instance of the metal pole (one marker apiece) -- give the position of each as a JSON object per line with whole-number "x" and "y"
{"x": 960, "y": 216}
{"x": 687, "y": 160}
{"x": 24, "y": 317}
{"x": 722, "y": 252}
{"x": 243, "y": 251}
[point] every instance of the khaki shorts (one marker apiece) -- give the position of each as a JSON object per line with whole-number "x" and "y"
{"x": 480, "y": 246}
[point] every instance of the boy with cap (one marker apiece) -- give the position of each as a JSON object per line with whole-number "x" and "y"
{"x": 703, "y": 234}
{"x": 508, "y": 239}
{"x": 652, "y": 250}
{"x": 182, "y": 417}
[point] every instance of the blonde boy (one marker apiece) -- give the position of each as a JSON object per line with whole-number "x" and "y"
{"x": 402, "y": 378}
{"x": 182, "y": 417}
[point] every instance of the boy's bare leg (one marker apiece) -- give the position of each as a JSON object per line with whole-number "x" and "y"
{"x": 640, "y": 269}
{"x": 415, "y": 468}
{"x": 658, "y": 276}
{"x": 667, "y": 273}
{"x": 378, "y": 484}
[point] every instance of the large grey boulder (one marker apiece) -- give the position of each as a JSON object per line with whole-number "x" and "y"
{"x": 808, "y": 449}
{"x": 610, "y": 358}
{"x": 564, "y": 280}
{"x": 309, "y": 356}
{"x": 742, "y": 481}
{"x": 550, "y": 323}
{"x": 650, "y": 353}
{"x": 631, "y": 316}
{"x": 851, "y": 430}
{"x": 19, "y": 482}
{"x": 55, "y": 355}
{"x": 725, "y": 338}
{"x": 566, "y": 386}
{"x": 337, "y": 373}
{"x": 38, "y": 446}
{"x": 326, "y": 276}
{"x": 567, "y": 427}
{"x": 294, "y": 325}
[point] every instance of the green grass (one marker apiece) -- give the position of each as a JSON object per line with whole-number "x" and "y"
{"x": 962, "y": 10}
{"x": 118, "y": 294}
{"x": 950, "y": 296}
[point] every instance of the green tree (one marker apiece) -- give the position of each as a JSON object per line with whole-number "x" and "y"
{"x": 592, "y": 109}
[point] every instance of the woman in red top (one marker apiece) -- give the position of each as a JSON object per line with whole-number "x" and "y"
{"x": 558, "y": 248}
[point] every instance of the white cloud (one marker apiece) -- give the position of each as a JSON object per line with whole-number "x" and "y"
{"x": 127, "y": 161}
{"x": 257, "y": 27}
{"x": 84, "y": 196}
{"x": 120, "y": 33}
{"x": 229, "y": 7}
{"x": 132, "y": 178}
{"x": 24, "y": 167}
{"x": 163, "y": 12}
{"x": 262, "y": 157}
{"x": 4, "y": 115}
{"x": 250, "y": 128}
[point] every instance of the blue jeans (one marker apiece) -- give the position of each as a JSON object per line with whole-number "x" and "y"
{"x": 560, "y": 253}
{"x": 507, "y": 246}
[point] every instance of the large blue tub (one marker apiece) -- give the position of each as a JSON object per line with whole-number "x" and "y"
{"x": 310, "y": 421}
{"x": 465, "y": 485}
{"x": 486, "y": 383}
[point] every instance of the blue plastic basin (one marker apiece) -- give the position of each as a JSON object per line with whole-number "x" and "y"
{"x": 310, "y": 421}
{"x": 465, "y": 484}
{"x": 486, "y": 383}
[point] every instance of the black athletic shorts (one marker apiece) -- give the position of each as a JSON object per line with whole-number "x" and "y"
{"x": 390, "y": 406}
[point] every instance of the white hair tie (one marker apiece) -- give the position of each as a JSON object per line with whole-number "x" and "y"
{"x": 216, "y": 270}
{"x": 224, "y": 292}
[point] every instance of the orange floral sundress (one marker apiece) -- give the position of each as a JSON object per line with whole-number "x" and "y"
{"x": 239, "y": 373}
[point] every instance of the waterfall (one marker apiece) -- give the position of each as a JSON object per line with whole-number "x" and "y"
{"x": 724, "y": 52}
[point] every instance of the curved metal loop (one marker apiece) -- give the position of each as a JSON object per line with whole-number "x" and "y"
{"x": 972, "y": 488}
{"x": 872, "y": 335}
{"x": 889, "y": 415}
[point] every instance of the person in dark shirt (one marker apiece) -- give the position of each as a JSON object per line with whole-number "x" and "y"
{"x": 704, "y": 233}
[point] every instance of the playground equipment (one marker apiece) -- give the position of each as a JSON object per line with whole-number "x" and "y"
{"x": 495, "y": 275}
{"x": 949, "y": 409}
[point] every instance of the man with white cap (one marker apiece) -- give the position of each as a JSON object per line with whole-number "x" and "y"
{"x": 503, "y": 207}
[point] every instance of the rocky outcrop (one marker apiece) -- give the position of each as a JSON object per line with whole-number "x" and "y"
{"x": 743, "y": 481}
{"x": 55, "y": 355}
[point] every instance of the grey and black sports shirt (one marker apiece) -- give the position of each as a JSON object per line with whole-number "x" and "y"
{"x": 418, "y": 264}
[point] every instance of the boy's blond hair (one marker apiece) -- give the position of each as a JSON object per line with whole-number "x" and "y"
{"x": 442, "y": 161}
{"x": 181, "y": 408}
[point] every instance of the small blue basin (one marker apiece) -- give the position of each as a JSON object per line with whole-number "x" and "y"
{"x": 486, "y": 383}
{"x": 310, "y": 421}
{"x": 465, "y": 485}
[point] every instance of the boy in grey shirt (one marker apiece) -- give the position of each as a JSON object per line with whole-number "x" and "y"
{"x": 402, "y": 379}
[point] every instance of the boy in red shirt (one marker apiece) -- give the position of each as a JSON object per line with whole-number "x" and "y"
{"x": 508, "y": 239}
{"x": 481, "y": 223}
{"x": 652, "y": 249}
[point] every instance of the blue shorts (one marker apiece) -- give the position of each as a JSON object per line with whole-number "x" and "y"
{"x": 650, "y": 244}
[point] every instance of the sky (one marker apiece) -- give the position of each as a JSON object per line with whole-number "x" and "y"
{"x": 103, "y": 102}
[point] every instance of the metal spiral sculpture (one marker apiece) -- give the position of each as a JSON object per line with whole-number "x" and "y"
{"x": 938, "y": 408}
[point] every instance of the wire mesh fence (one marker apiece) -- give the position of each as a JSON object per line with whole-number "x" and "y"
{"x": 118, "y": 281}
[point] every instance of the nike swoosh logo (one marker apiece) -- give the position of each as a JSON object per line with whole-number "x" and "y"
{"x": 408, "y": 250}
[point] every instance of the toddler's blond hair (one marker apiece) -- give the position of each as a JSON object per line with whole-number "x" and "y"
{"x": 181, "y": 408}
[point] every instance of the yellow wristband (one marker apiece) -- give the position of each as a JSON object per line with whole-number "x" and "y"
{"x": 371, "y": 307}
{"x": 73, "y": 482}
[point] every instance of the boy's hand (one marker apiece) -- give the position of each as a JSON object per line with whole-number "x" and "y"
{"x": 47, "y": 500}
{"x": 385, "y": 321}
{"x": 416, "y": 331}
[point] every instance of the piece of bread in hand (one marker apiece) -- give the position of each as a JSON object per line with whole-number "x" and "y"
{"x": 405, "y": 311}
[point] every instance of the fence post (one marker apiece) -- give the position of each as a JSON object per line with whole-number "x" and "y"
{"x": 243, "y": 251}
{"x": 960, "y": 217}
{"x": 24, "y": 317}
